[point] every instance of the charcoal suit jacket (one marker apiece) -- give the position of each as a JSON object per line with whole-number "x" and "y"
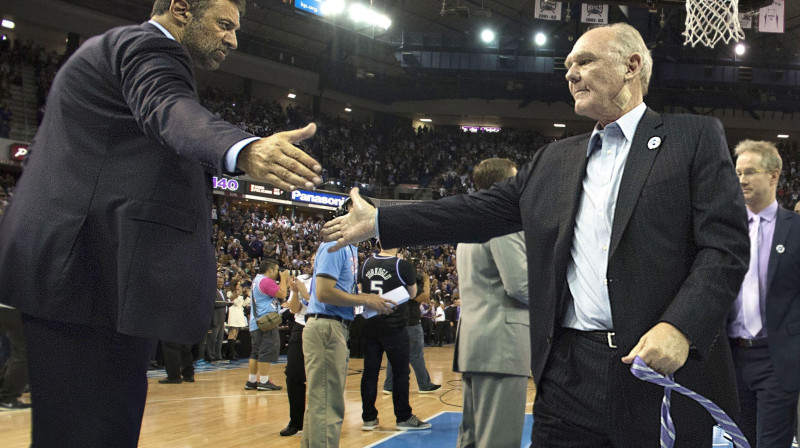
{"x": 783, "y": 299}
{"x": 679, "y": 250}
{"x": 110, "y": 223}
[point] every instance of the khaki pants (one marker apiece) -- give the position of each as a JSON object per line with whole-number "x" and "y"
{"x": 325, "y": 352}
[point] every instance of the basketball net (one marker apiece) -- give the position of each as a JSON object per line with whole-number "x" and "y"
{"x": 709, "y": 21}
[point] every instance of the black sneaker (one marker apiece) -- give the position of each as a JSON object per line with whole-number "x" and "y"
{"x": 250, "y": 385}
{"x": 430, "y": 390}
{"x": 290, "y": 430}
{"x": 170, "y": 381}
{"x": 269, "y": 385}
{"x": 15, "y": 404}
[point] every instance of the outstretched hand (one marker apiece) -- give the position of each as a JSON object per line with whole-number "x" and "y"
{"x": 277, "y": 161}
{"x": 354, "y": 227}
{"x": 664, "y": 348}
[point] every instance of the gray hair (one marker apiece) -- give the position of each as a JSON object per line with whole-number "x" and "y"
{"x": 628, "y": 41}
{"x": 770, "y": 158}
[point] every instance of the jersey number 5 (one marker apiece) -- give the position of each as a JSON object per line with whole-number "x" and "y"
{"x": 376, "y": 286}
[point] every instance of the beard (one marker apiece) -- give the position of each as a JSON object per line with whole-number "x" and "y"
{"x": 201, "y": 46}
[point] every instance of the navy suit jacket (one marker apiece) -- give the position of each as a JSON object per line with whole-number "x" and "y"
{"x": 783, "y": 299}
{"x": 679, "y": 250}
{"x": 110, "y": 223}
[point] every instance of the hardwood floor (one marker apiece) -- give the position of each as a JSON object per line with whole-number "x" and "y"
{"x": 217, "y": 411}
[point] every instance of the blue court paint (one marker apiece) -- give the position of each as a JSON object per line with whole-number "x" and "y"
{"x": 445, "y": 432}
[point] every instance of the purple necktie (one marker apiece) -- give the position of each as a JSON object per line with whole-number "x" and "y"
{"x": 642, "y": 371}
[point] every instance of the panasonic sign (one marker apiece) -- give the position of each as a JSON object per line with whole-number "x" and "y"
{"x": 313, "y": 197}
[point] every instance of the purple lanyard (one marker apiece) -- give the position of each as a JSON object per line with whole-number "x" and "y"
{"x": 642, "y": 371}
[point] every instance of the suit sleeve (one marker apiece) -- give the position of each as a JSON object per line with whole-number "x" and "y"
{"x": 510, "y": 258}
{"x": 719, "y": 221}
{"x": 473, "y": 218}
{"x": 158, "y": 85}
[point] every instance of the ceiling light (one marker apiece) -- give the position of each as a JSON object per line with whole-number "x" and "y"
{"x": 783, "y": 135}
{"x": 559, "y": 125}
{"x": 740, "y": 49}
{"x": 292, "y": 95}
{"x": 358, "y": 12}
{"x": 425, "y": 120}
{"x": 347, "y": 109}
{"x": 487, "y": 35}
{"x": 540, "y": 39}
{"x": 332, "y": 7}
{"x": 6, "y": 23}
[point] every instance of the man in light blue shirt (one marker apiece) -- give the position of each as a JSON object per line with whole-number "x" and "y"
{"x": 328, "y": 316}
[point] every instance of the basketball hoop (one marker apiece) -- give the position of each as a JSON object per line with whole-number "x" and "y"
{"x": 709, "y": 21}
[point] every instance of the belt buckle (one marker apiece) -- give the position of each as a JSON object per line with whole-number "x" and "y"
{"x": 610, "y": 335}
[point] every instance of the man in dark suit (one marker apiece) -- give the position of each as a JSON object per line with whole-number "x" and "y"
{"x": 636, "y": 243}
{"x": 113, "y": 206}
{"x": 764, "y": 322}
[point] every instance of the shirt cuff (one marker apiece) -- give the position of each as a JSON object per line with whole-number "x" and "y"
{"x": 232, "y": 156}
{"x": 377, "y": 228}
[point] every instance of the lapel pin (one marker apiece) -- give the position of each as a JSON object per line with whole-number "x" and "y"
{"x": 779, "y": 248}
{"x": 654, "y": 143}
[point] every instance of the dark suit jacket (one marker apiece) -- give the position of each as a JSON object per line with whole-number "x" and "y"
{"x": 679, "y": 249}
{"x": 110, "y": 223}
{"x": 783, "y": 299}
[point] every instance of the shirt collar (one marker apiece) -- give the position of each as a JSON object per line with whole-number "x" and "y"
{"x": 768, "y": 214}
{"x": 161, "y": 27}
{"x": 627, "y": 123}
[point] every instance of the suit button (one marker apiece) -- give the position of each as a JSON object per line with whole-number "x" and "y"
{"x": 550, "y": 340}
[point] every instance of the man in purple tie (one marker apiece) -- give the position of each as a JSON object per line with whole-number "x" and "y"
{"x": 764, "y": 322}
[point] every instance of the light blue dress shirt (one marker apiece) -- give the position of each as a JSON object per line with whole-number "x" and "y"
{"x": 233, "y": 152}
{"x": 586, "y": 272}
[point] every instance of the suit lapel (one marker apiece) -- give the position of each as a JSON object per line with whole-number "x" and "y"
{"x": 783, "y": 225}
{"x": 571, "y": 174}
{"x": 637, "y": 169}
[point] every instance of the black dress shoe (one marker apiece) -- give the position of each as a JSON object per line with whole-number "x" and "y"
{"x": 170, "y": 381}
{"x": 290, "y": 431}
{"x": 188, "y": 379}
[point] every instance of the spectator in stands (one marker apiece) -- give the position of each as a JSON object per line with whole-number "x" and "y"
{"x": 236, "y": 318}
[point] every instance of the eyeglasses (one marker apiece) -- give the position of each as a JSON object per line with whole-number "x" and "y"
{"x": 749, "y": 172}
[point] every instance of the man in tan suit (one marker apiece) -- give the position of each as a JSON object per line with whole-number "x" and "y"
{"x": 494, "y": 313}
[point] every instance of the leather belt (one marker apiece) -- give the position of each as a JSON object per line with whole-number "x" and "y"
{"x": 604, "y": 337}
{"x": 328, "y": 316}
{"x": 749, "y": 343}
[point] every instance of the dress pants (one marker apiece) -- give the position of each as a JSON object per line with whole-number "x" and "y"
{"x": 296, "y": 377}
{"x": 374, "y": 341}
{"x": 178, "y": 360}
{"x": 768, "y": 410}
{"x": 587, "y": 398}
{"x": 325, "y": 352}
{"x": 416, "y": 356}
{"x": 440, "y": 330}
{"x": 14, "y": 374}
{"x": 494, "y": 410}
{"x": 214, "y": 342}
{"x": 88, "y": 384}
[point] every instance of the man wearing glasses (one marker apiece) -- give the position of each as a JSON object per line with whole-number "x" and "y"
{"x": 764, "y": 322}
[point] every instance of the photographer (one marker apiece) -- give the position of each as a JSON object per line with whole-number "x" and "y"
{"x": 266, "y": 298}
